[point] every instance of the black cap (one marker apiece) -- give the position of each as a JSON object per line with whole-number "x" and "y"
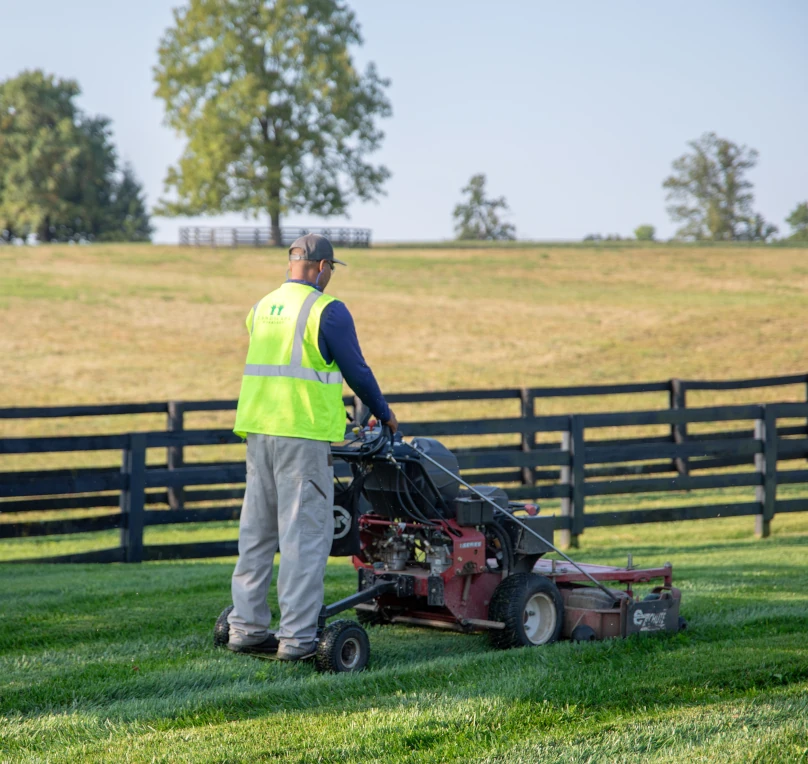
{"x": 315, "y": 247}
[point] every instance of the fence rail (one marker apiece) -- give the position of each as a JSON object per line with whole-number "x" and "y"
{"x": 577, "y": 465}
{"x": 262, "y": 237}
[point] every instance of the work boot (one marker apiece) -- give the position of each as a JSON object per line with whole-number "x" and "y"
{"x": 268, "y": 645}
{"x": 287, "y": 652}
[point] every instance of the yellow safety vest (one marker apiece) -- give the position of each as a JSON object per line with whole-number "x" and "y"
{"x": 288, "y": 389}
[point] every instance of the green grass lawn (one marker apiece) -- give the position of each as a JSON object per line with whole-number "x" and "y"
{"x": 115, "y": 663}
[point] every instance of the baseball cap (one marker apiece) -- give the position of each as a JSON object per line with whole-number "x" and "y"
{"x": 315, "y": 247}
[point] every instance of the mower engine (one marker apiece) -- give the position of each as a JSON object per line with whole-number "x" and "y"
{"x": 467, "y": 558}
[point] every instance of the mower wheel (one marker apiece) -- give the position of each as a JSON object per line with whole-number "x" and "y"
{"x": 344, "y": 647}
{"x": 682, "y": 624}
{"x": 221, "y": 631}
{"x": 531, "y": 608}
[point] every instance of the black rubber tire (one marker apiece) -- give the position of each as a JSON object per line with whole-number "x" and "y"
{"x": 221, "y": 631}
{"x": 509, "y": 605}
{"x": 344, "y": 647}
{"x": 682, "y": 624}
{"x": 583, "y": 633}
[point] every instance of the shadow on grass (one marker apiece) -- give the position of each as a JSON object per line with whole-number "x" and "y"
{"x": 552, "y": 688}
{"x": 187, "y": 681}
{"x": 132, "y": 644}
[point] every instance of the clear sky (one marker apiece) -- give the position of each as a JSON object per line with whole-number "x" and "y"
{"x": 573, "y": 110}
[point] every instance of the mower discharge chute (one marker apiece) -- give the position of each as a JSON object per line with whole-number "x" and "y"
{"x": 432, "y": 550}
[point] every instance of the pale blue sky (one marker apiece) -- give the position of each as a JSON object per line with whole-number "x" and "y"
{"x": 573, "y": 110}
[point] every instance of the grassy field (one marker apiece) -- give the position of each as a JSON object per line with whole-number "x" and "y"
{"x": 115, "y": 664}
{"x": 113, "y": 323}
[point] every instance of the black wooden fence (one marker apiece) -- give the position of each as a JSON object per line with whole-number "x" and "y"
{"x": 574, "y": 465}
{"x": 241, "y": 236}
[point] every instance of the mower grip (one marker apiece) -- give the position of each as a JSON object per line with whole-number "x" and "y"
{"x": 386, "y": 436}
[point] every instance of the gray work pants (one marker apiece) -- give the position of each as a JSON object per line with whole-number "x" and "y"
{"x": 288, "y": 504}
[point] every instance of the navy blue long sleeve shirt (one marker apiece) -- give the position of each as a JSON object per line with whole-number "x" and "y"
{"x": 338, "y": 342}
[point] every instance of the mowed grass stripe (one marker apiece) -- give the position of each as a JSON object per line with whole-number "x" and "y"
{"x": 769, "y": 728}
{"x": 115, "y": 663}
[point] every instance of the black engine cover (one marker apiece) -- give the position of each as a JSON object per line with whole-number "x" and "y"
{"x": 418, "y": 487}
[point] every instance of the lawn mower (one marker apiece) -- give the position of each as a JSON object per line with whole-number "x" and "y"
{"x": 432, "y": 550}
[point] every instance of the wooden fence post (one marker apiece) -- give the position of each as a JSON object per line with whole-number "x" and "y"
{"x": 766, "y": 467}
{"x": 565, "y": 534}
{"x": 573, "y": 476}
{"x": 578, "y": 478}
{"x": 174, "y": 454}
{"x": 678, "y": 400}
{"x": 528, "y": 438}
{"x": 133, "y": 497}
{"x": 806, "y": 400}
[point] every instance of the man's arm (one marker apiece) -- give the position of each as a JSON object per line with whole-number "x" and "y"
{"x": 338, "y": 342}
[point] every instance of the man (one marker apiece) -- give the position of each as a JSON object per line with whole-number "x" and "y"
{"x": 302, "y": 345}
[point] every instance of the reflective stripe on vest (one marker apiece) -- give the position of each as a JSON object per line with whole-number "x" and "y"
{"x": 296, "y": 372}
{"x": 295, "y": 367}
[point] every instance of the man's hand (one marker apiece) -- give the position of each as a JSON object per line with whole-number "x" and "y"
{"x": 392, "y": 422}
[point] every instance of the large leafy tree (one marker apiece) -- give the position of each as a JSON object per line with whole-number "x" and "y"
{"x": 40, "y": 144}
{"x": 710, "y": 194}
{"x": 276, "y": 115}
{"x": 478, "y": 217}
{"x": 58, "y": 167}
{"x": 798, "y": 220}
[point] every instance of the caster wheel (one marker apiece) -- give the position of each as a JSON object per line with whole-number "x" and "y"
{"x": 344, "y": 647}
{"x": 531, "y": 608}
{"x": 221, "y": 631}
{"x": 583, "y": 633}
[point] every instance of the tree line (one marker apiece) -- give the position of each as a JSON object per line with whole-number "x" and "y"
{"x": 60, "y": 178}
{"x": 708, "y": 193}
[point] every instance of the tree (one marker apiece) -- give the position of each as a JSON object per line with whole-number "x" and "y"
{"x": 58, "y": 175}
{"x": 276, "y": 115}
{"x": 127, "y": 218}
{"x": 40, "y": 143}
{"x": 798, "y": 220}
{"x": 478, "y": 217}
{"x": 645, "y": 233}
{"x": 756, "y": 228}
{"x": 710, "y": 192}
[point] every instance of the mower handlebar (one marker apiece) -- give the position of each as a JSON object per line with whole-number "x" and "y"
{"x": 365, "y": 449}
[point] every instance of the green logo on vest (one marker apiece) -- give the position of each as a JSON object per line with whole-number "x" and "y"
{"x": 279, "y": 308}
